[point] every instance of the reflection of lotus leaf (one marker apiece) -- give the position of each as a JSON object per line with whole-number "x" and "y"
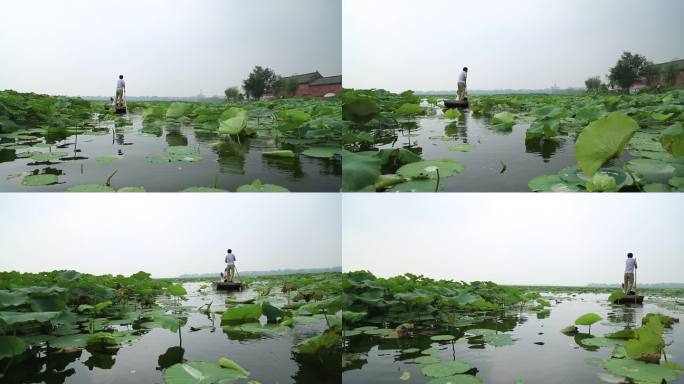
{"x": 39, "y": 180}
{"x": 321, "y": 152}
{"x": 427, "y": 359}
{"x": 459, "y": 379}
{"x": 444, "y": 369}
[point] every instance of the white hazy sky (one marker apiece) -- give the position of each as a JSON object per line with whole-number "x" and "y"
{"x": 558, "y": 239}
{"x": 422, "y": 45}
{"x": 162, "y": 47}
{"x": 168, "y": 234}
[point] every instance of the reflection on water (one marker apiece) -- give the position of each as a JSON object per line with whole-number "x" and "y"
{"x": 226, "y": 162}
{"x": 432, "y": 136}
{"x": 270, "y": 359}
{"x": 538, "y": 343}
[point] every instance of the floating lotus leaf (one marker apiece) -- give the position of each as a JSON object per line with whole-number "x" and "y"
{"x": 11, "y": 346}
{"x": 78, "y": 340}
{"x": 200, "y": 372}
{"x": 602, "y": 183}
{"x": 639, "y": 371}
{"x": 430, "y": 351}
{"x": 131, "y": 189}
{"x": 461, "y": 147}
{"x": 379, "y": 331}
{"x": 104, "y": 160}
{"x": 616, "y": 295}
{"x": 672, "y": 139}
{"x": 257, "y": 186}
{"x": 254, "y": 330}
{"x": 452, "y": 114}
{"x": 171, "y": 323}
{"x": 410, "y": 350}
{"x": 418, "y": 185}
{"x": 279, "y": 153}
{"x": 481, "y": 332}
{"x": 48, "y": 156}
{"x": 321, "y": 152}
{"x": 177, "y": 110}
{"x": 601, "y": 342}
{"x": 602, "y": 140}
{"x": 39, "y": 180}
{"x": 427, "y": 359}
{"x": 242, "y": 313}
{"x": 444, "y": 369}
{"x": 442, "y": 337}
{"x": 228, "y": 363}
{"x": 183, "y": 153}
{"x": 203, "y": 189}
{"x": 503, "y": 119}
{"x": 459, "y": 379}
{"x": 429, "y": 168}
{"x": 316, "y": 344}
{"x": 651, "y": 169}
{"x": 661, "y": 116}
{"x": 90, "y": 188}
{"x": 272, "y": 313}
{"x": 498, "y": 340}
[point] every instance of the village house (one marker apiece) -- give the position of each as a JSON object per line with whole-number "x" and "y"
{"x": 678, "y": 64}
{"x": 313, "y": 84}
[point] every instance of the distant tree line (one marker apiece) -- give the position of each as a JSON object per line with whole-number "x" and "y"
{"x": 260, "y": 81}
{"x": 628, "y": 69}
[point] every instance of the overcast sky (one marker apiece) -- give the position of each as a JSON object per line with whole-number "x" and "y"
{"x": 162, "y": 47}
{"x": 422, "y": 45}
{"x": 526, "y": 238}
{"x": 168, "y": 234}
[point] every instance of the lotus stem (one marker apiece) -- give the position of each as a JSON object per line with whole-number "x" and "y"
{"x": 437, "y": 186}
{"x": 629, "y": 172}
{"x": 109, "y": 178}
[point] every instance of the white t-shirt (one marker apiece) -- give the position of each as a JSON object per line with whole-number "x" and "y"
{"x": 630, "y": 265}
{"x": 230, "y": 259}
{"x": 462, "y": 77}
{"x": 120, "y": 83}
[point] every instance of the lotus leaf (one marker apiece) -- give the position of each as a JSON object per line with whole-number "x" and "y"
{"x": 203, "y": 189}
{"x": 12, "y": 298}
{"x": 461, "y": 147}
{"x": 651, "y": 169}
{"x": 672, "y": 139}
{"x": 39, "y": 180}
{"x": 459, "y": 379}
{"x": 228, "y": 363}
{"x": 48, "y": 156}
{"x": 427, "y": 359}
{"x": 640, "y": 371}
{"x": 358, "y": 171}
{"x": 177, "y": 110}
{"x": 452, "y": 114}
{"x": 131, "y": 189}
{"x": 279, "y": 153}
{"x": 200, "y": 372}
{"x": 602, "y": 140}
{"x": 233, "y": 121}
{"x": 242, "y": 313}
{"x": 442, "y": 337}
{"x": 104, "y": 160}
{"x": 444, "y": 369}
{"x": 12, "y": 318}
{"x": 11, "y": 346}
{"x": 498, "y": 340}
{"x": 258, "y": 186}
{"x": 410, "y": 350}
{"x": 588, "y": 319}
{"x": 90, "y": 188}
{"x": 316, "y": 344}
{"x": 648, "y": 343}
{"x": 321, "y": 152}
{"x": 429, "y": 169}
{"x": 409, "y": 109}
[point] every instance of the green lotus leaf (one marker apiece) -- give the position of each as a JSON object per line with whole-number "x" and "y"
{"x": 672, "y": 139}
{"x": 242, "y": 313}
{"x": 651, "y": 169}
{"x": 321, "y": 152}
{"x": 460, "y": 379}
{"x": 623, "y": 334}
{"x": 602, "y": 183}
{"x": 430, "y": 351}
{"x": 360, "y": 109}
{"x": 639, "y": 371}
{"x": 648, "y": 343}
{"x": 498, "y": 340}
{"x": 233, "y": 121}
{"x": 200, "y": 372}
{"x": 677, "y": 182}
{"x": 427, "y": 359}
{"x": 503, "y": 120}
{"x": 358, "y": 171}
{"x": 616, "y": 295}
{"x": 588, "y": 319}
{"x": 279, "y": 153}
{"x": 409, "y": 109}
{"x": 46, "y": 302}
{"x": 131, "y": 189}
{"x": 480, "y": 332}
{"x": 48, "y": 156}
{"x": 271, "y": 312}
{"x": 429, "y": 168}
{"x": 228, "y": 363}
{"x": 410, "y": 350}
{"x": 442, "y": 337}
{"x": 602, "y": 140}
{"x": 177, "y": 110}
{"x": 78, "y": 340}
{"x": 418, "y": 185}
{"x": 257, "y": 186}
{"x": 452, "y": 114}
{"x": 12, "y": 318}
{"x": 444, "y": 369}
{"x": 11, "y": 346}
{"x": 12, "y": 298}
{"x": 90, "y": 188}
{"x": 39, "y": 180}
{"x": 601, "y": 342}
{"x": 461, "y": 147}
{"x": 551, "y": 183}
{"x": 183, "y": 153}
{"x": 656, "y": 187}
{"x": 203, "y": 189}
{"x": 176, "y": 290}
{"x": 379, "y": 331}
{"x": 316, "y": 344}
{"x": 661, "y": 116}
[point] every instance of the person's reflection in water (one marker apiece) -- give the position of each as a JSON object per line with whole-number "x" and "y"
{"x": 546, "y": 148}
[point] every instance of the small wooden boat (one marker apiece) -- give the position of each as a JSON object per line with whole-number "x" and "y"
{"x": 630, "y": 299}
{"x": 120, "y": 109}
{"x": 227, "y": 285}
{"x": 449, "y": 104}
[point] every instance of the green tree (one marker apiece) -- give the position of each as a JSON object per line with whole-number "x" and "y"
{"x": 260, "y": 80}
{"x": 670, "y": 73}
{"x": 290, "y": 86}
{"x": 628, "y": 69}
{"x": 233, "y": 93}
{"x": 593, "y": 84}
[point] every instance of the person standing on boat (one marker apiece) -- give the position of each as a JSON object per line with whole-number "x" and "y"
{"x": 120, "y": 90}
{"x": 630, "y": 269}
{"x": 230, "y": 265}
{"x": 462, "y": 83}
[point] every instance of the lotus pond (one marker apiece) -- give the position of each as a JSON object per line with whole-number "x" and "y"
{"x": 405, "y": 143}
{"x": 66, "y": 327}
{"x": 69, "y": 144}
{"x": 417, "y": 330}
